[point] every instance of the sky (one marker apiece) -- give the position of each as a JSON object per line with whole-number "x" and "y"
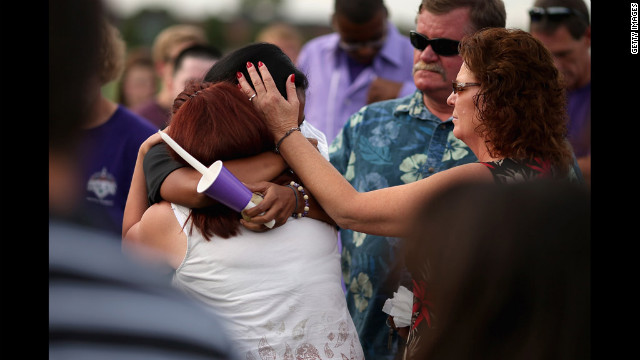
{"x": 402, "y": 12}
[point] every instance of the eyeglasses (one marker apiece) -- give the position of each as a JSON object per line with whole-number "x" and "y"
{"x": 457, "y": 87}
{"x": 355, "y": 46}
{"x": 443, "y": 47}
{"x": 555, "y": 13}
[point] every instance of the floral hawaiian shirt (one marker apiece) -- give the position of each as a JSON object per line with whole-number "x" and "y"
{"x": 385, "y": 144}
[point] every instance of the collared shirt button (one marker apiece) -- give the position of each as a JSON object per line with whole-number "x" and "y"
{"x": 431, "y": 170}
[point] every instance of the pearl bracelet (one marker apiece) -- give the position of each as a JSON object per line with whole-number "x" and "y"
{"x": 305, "y": 197}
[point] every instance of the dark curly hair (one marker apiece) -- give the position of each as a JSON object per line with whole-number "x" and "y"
{"x": 521, "y": 102}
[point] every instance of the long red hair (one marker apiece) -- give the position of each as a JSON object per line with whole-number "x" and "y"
{"x": 217, "y": 122}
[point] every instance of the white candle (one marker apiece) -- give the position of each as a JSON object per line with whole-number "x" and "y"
{"x": 185, "y": 155}
{"x": 203, "y": 170}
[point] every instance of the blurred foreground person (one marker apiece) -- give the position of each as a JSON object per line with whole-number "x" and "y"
{"x": 101, "y": 304}
{"x": 510, "y": 279}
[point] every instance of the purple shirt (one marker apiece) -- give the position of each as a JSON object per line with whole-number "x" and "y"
{"x": 109, "y": 153}
{"x": 579, "y": 127}
{"x": 332, "y": 97}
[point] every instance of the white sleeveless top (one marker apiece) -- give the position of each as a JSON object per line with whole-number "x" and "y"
{"x": 279, "y": 291}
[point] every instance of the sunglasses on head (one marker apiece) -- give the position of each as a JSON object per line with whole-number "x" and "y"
{"x": 443, "y": 47}
{"x": 554, "y": 13}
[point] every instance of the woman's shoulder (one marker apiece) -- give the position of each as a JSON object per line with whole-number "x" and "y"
{"x": 160, "y": 231}
{"x": 159, "y": 217}
{"x": 160, "y": 208}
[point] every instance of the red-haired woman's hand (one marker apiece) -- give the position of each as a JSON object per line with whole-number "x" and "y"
{"x": 147, "y": 144}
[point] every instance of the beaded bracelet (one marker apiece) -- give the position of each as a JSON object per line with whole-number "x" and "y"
{"x": 277, "y": 149}
{"x": 306, "y": 201}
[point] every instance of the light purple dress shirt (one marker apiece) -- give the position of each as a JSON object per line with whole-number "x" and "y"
{"x": 332, "y": 97}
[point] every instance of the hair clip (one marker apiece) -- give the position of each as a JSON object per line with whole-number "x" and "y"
{"x": 194, "y": 94}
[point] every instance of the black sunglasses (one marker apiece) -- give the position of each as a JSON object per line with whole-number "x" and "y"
{"x": 443, "y": 47}
{"x": 554, "y": 13}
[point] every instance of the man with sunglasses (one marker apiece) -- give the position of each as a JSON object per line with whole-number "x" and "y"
{"x": 365, "y": 60}
{"x": 399, "y": 141}
{"x": 563, "y": 26}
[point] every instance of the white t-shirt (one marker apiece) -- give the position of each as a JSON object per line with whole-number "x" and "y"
{"x": 279, "y": 291}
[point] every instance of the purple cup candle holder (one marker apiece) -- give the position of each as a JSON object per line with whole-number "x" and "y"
{"x": 221, "y": 185}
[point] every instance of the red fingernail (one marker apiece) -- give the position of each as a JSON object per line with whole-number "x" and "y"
{"x": 239, "y": 86}
{"x": 260, "y": 64}
{"x": 239, "y": 74}
{"x": 249, "y": 64}
{"x": 293, "y": 77}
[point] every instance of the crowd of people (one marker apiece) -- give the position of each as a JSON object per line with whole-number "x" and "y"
{"x": 454, "y": 161}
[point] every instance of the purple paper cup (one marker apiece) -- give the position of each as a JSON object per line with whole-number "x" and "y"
{"x": 221, "y": 185}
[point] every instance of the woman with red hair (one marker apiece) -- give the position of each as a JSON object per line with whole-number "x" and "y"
{"x": 279, "y": 291}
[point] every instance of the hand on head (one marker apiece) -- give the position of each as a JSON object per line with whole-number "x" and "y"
{"x": 280, "y": 114}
